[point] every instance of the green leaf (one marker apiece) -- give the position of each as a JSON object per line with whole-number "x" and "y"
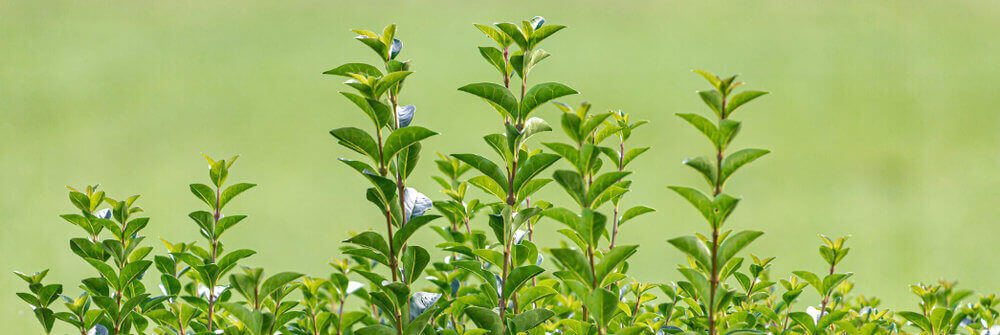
{"x": 602, "y": 303}
{"x": 542, "y": 93}
{"x": 713, "y": 99}
{"x": 518, "y": 276}
{"x": 711, "y": 78}
{"x": 414, "y": 260}
{"x": 485, "y": 319}
{"x": 485, "y": 166}
{"x": 217, "y": 173}
{"x": 232, "y": 191}
{"x": 513, "y": 33}
{"x": 572, "y": 182}
{"x": 734, "y": 243}
{"x": 612, "y": 259}
{"x": 542, "y": 33}
{"x": 603, "y": 182}
{"x": 227, "y": 222}
{"x": 358, "y": 68}
{"x": 575, "y": 261}
{"x": 357, "y": 140}
{"x": 489, "y": 186}
{"x": 417, "y": 326}
{"x": 132, "y": 271}
{"x": 631, "y": 155}
{"x": 377, "y": 112}
{"x": 388, "y": 80}
{"x": 804, "y": 320}
{"x": 495, "y": 57}
{"x": 106, "y": 271}
{"x": 738, "y": 159}
{"x": 502, "y": 40}
{"x": 402, "y": 138}
{"x": 495, "y": 94}
{"x": 253, "y": 320}
{"x": 376, "y": 330}
{"x": 741, "y": 98}
{"x": 830, "y": 282}
{"x": 532, "y": 126}
{"x": 205, "y": 193}
{"x": 228, "y": 261}
{"x": 534, "y": 293}
{"x": 46, "y": 317}
{"x": 633, "y": 212}
{"x": 917, "y": 319}
{"x": 531, "y": 319}
{"x": 812, "y": 279}
{"x": 370, "y": 240}
{"x": 705, "y": 166}
{"x": 693, "y": 247}
{"x": 276, "y": 282}
{"x": 697, "y": 199}
{"x": 532, "y": 167}
{"x": 403, "y": 234}
{"x": 703, "y": 125}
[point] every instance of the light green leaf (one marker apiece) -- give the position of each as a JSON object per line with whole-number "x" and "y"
{"x": 736, "y": 160}
{"x": 741, "y": 98}
{"x": 542, "y": 93}
{"x": 734, "y": 243}
{"x": 693, "y": 247}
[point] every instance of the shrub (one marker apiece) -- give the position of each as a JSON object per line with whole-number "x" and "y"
{"x": 494, "y": 278}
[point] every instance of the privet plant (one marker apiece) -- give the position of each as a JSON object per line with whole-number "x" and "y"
{"x": 488, "y": 274}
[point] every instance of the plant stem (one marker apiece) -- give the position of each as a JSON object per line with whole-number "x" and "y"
{"x": 614, "y": 218}
{"x": 714, "y": 278}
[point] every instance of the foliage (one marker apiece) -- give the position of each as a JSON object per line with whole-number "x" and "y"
{"x": 489, "y": 274}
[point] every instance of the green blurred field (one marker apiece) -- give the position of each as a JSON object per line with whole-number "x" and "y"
{"x": 883, "y": 122}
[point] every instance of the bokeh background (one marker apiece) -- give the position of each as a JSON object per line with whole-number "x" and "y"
{"x": 883, "y": 122}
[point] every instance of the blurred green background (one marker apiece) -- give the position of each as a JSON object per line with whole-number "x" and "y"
{"x": 882, "y": 120}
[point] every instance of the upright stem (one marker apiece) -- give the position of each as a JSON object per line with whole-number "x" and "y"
{"x": 826, "y": 298}
{"x": 614, "y": 218}
{"x": 383, "y": 171}
{"x": 215, "y": 254}
{"x": 714, "y": 279}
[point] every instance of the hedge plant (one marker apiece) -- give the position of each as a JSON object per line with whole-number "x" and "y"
{"x": 488, "y": 274}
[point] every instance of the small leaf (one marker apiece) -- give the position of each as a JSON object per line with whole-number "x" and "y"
{"x": 487, "y": 167}
{"x": 694, "y": 248}
{"x": 738, "y": 159}
{"x": 733, "y": 244}
{"x": 741, "y": 98}
{"x": 277, "y": 281}
{"x": 357, "y": 140}
{"x": 358, "y": 68}
{"x": 486, "y": 319}
{"x": 697, "y": 199}
{"x": 232, "y": 191}
{"x": 532, "y": 167}
{"x": 531, "y": 319}
{"x": 518, "y": 276}
{"x": 402, "y": 138}
{"x": 612, "y": 259}
{"x": 713, "y": 100}
{"x": 542, "y": 93}
{"x": 572, "y": 182}
{"x": 495, "y": 94}
{"x": 371, "y": 240}
{"x": 703, "y": 125}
